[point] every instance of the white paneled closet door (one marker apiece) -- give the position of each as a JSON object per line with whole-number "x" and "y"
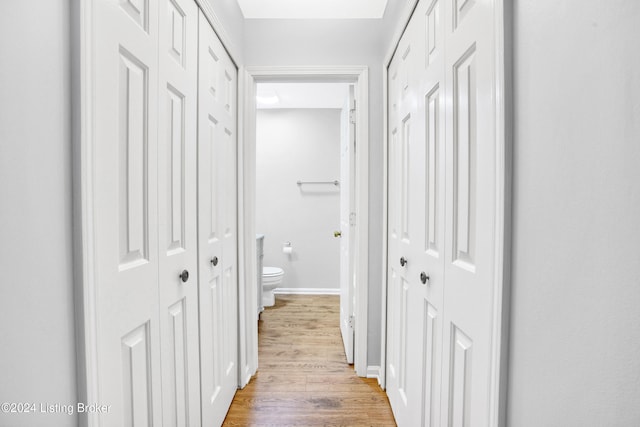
{"x": 471, "y": 212}
{"x": 416, "y": 224}
{"x": 398, "y": 339}
{"x": 442, "y": 208}
{"x": 154, "y": 174}
{"x": 125, "y": 189}
{"x": 177, "y": 212}
{"x": 217, "y": 215}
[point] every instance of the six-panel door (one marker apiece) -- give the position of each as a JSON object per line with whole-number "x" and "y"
{"x": 441, "y": 211}
{"x": 217, "y": 216}
{"x": 177, "y": 232}
{"x": 147, "y": 166}
{"x": 125, "y": 188}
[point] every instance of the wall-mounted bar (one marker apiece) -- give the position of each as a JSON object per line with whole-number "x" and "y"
{"x": 336, "y": 182}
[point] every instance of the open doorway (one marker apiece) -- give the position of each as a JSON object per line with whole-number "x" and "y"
{"x": 305, "y": 141}
{"x": 356, "y": 215}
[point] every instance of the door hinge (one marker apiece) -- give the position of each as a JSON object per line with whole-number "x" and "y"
{"x": 352, "y": 116}
{"x": 352, "y": 322}
{"x": 352, "y": 219}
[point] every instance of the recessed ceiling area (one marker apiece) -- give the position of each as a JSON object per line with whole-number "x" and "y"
{"x": 301, "y": 95}
{"x": 312, "y": 9}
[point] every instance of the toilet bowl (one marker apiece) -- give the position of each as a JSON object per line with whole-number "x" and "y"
{"x": 271, "y": 279}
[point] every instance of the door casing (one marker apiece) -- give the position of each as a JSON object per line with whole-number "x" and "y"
{"x": 503, "y": 177}
{"x": 358, "y": 75}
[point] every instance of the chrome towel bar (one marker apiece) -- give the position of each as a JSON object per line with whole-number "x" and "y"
{"x": 336, "y": 182}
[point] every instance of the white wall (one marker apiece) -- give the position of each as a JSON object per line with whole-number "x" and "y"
{"x": 293, "y": 145}
{"x": 340, "y": 42}
{"x": 37, "y": 359}
{"x": 575, "y": 328}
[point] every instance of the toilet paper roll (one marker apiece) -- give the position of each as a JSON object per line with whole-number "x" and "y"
{"x": 287, "y": 250}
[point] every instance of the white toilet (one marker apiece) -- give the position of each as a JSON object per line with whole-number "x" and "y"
{"x": 271, "y": 279}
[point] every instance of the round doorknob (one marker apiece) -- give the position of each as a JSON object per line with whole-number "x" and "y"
{"x": 184, "y": 276}
{"x": 424, "y": 278}
{"x": 403, "y": 261}
{"x": 214, "y": 261}
{"x": 337, "y": 234}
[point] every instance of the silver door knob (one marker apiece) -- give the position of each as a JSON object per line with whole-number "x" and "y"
{"x": 403, "y": 261}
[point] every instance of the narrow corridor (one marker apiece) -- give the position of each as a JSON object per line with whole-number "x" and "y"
{"x": 303, "y": 378}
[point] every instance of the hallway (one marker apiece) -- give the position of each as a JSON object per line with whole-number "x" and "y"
{"x": 128, "y": 214}
{"x": 302, "y": 378}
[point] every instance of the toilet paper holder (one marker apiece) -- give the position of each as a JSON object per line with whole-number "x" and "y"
{"x": 287, "y": 249}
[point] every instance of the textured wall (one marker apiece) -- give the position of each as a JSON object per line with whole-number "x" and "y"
{"x": 576, "y": 264}
{"x": 37, "y": 360}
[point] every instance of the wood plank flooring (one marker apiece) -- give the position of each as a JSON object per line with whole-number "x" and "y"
{"x": 303, "y": 378}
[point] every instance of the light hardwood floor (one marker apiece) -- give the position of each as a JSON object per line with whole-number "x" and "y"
{"x": 303, "y": 378}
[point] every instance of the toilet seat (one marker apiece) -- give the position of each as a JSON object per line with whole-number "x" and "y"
{"x": 272, "y": 271}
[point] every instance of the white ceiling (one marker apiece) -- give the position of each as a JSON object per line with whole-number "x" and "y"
{"x": 302, "y": 95}
{"x": 312, "y": 9}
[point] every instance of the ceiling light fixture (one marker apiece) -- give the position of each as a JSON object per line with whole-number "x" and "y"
{"x": 268, "y": 99}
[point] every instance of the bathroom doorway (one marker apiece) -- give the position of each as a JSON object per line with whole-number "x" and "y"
{"x": 295, "y": 185}
{"x": 304, "y": 144}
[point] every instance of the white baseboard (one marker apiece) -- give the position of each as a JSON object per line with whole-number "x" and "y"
{"x": 373, "y": 372}
{"x": 306, "y": 291}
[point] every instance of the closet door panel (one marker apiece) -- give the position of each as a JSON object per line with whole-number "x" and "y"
{"x": 217, "y": 236}
{"x": 405, "y": 227}
{"x": 177, "y": 213}
{"x": 430, "y": 191}
{"x": 470, "y": 258}
{"x": 441, "y": 215}
{"x": 124, "y": 187}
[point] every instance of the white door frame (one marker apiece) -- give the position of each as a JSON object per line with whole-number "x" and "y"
{"x": 503, "y": 175}
{"x": 250, "y": 76}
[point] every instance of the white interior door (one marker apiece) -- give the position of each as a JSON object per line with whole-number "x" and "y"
{"x": 425, "y": 76}
{"x": 347, "y": 238}
{"x": 406, "y": 230}
{"x": 441, "y": 216}
{"x": 177, "y": 215}
{"x": 217, "y": 235}
{"x": 396, "y": 327}
{"x": 124, "y": 186}
{"x": 471, "y": 211}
